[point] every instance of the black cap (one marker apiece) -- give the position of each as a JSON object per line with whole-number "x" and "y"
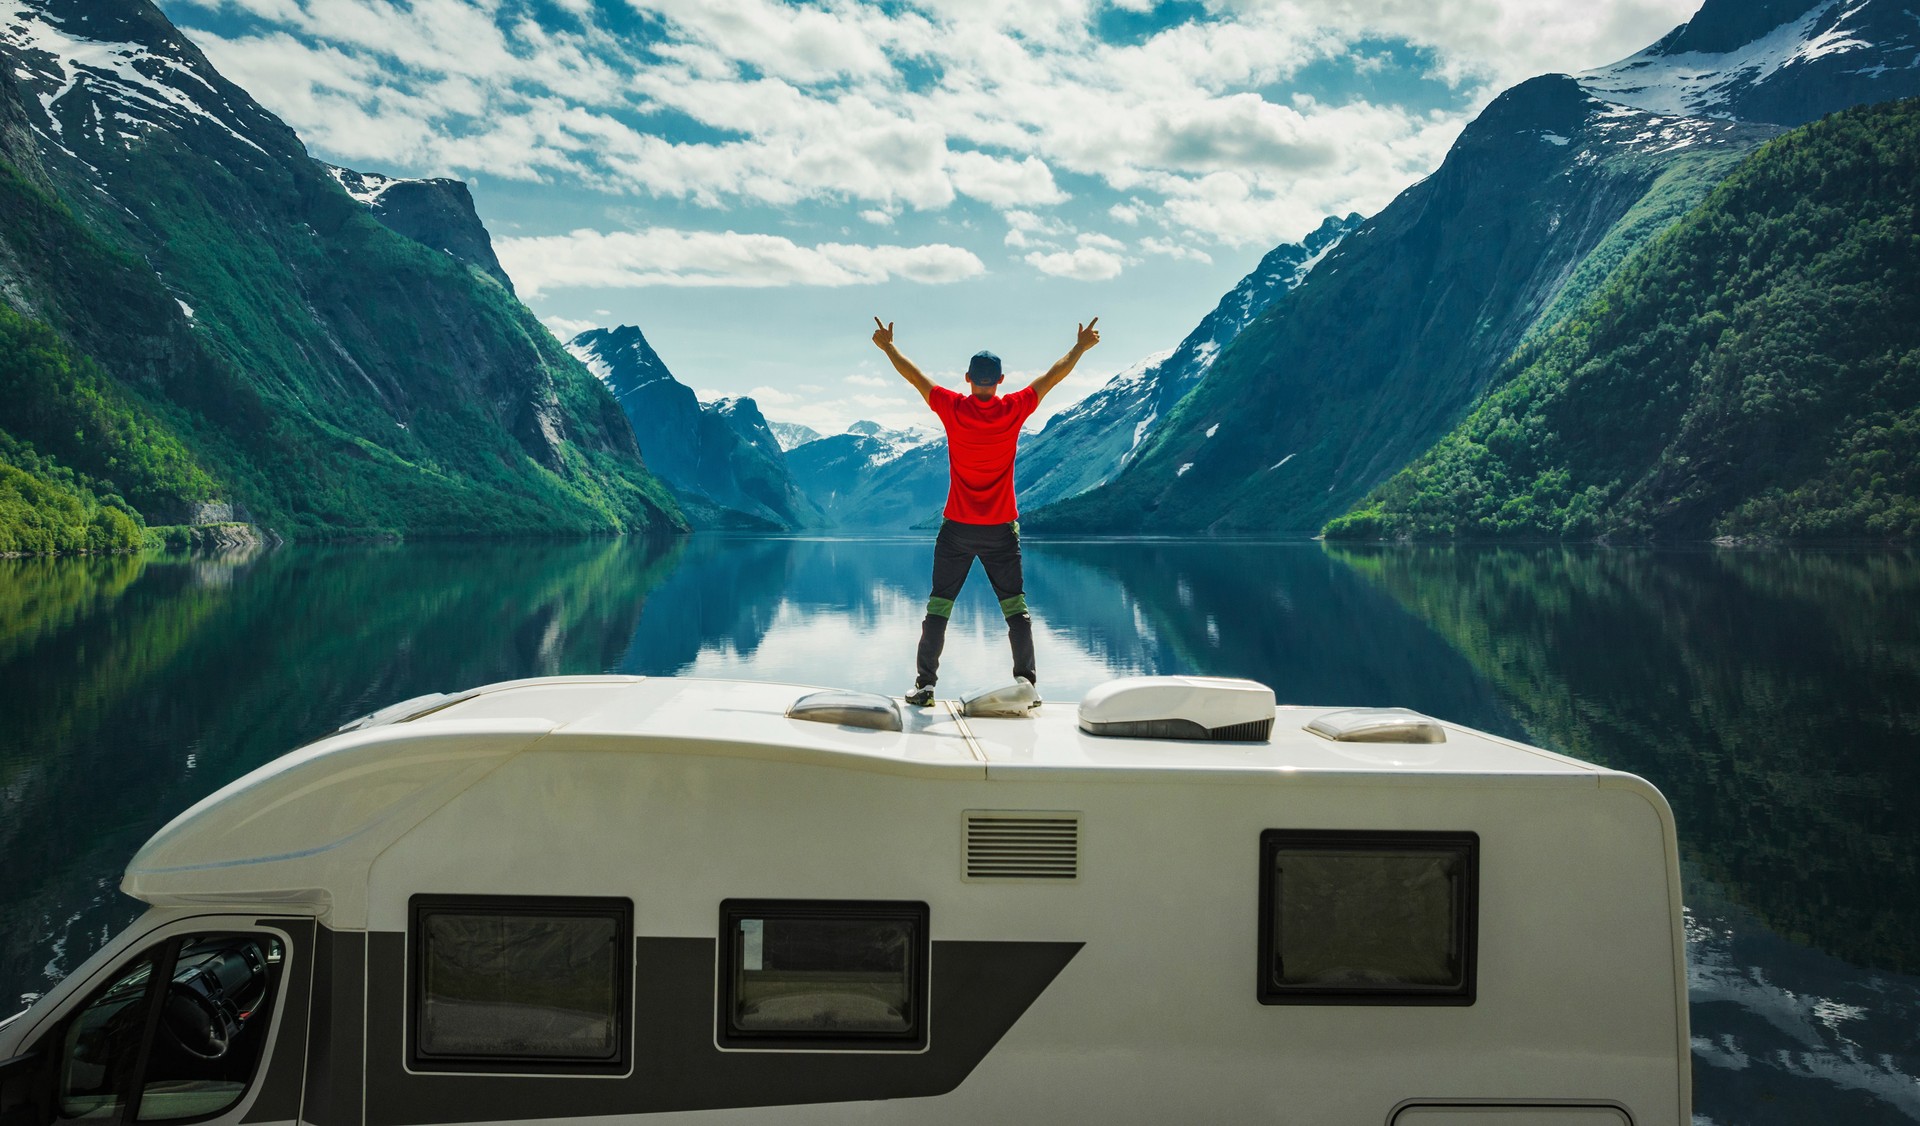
{"x": 984, "y": 368}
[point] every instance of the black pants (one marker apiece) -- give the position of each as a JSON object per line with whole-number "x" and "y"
{"x": 997, "y": 546}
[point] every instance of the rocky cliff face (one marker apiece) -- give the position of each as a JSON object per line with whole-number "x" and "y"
{"x": 1083, "y": 446}
{"x": 436, "y": 213}
{"x": 327, "y": 373}
{"x": 721, "y": 458}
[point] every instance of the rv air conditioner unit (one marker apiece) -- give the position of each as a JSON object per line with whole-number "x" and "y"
{"x": 1179, "y": 707}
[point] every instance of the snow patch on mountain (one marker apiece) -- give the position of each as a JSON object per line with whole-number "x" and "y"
{"x": 1637, "y": 130}
{"x": 58, "y": 65}
{"x": 366, "y": 187}
{"x": 1698, "y": 83}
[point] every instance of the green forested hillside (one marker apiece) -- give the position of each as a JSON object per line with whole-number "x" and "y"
{"x": 195, "y": 312}
{"x": 91, "y": 438}
{"x": 1754, "y": 372}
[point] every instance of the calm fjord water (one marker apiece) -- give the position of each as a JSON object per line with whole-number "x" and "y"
{"x": 1773, "y": 696}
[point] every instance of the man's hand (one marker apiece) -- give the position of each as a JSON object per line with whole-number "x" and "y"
{"x": 1086, "y": 337}
{"x": 883, "y": 339}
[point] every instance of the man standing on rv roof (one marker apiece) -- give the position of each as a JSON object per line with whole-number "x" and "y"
{"x": 982, "y": 517}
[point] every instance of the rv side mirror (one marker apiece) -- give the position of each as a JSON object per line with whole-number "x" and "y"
{"x": 22, "y": 1092}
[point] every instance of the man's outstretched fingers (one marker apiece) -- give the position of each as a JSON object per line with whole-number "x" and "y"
{"x": 1093, "y": 322}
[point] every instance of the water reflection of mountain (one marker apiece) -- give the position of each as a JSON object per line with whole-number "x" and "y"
{"x": 1773, "y": 696}
{"x": 134, "y": 689}
{"x": 1280, "y": 613}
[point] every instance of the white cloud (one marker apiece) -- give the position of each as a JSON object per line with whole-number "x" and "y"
{"x": 1003, "y": 182}
{"x": 1172, "y": 249}
{"x": 832, "y": 100}
{"x": 1086, "y": 263}
{"x": 662, "y": 256}
{"x": 564, "y": 328}
{"x": 868, "y": 381}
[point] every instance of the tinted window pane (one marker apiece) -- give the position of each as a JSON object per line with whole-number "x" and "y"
{"x": 102, "y": 1045}
{"x": 519, "y": 985}
{"x": 214, "y": 1021}
{"x": 1367, "y": 919}
{"x": 823, "y": 975}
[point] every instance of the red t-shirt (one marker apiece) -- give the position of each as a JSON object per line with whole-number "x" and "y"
{"x": 982, "y": 437}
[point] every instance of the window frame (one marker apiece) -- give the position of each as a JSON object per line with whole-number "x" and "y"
{"x": 1466, "y": 924}
{"x": 617, "y": 908}
{"x": 163, "y": 944}
{"x": 914, "y": 1039}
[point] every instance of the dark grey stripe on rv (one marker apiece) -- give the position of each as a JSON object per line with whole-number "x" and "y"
{"x": 334, "y": 1052}
{"x": 279, "y": 1097}
{"x": 979, "y": 991}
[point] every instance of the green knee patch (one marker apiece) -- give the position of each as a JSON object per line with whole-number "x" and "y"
{"x": 1015, "y": 605}
{"x": 940, "y": 607}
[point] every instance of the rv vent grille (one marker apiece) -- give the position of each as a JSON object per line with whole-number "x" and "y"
{"x": 1021, "y": 845}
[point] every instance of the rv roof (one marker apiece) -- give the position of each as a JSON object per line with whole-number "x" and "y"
{"x": 301, "y": 823}
{"x": 722, "y": 716}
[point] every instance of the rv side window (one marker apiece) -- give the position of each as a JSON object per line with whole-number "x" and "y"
{"x": 1368, "y": 918}
{"x": 521, "y": 984}
{"x": 823, "y": 975}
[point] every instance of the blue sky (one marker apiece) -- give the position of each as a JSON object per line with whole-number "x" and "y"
{"x": 751, "y": 181}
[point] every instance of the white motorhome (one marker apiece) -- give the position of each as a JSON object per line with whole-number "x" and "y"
{"x": 683, "y": 900}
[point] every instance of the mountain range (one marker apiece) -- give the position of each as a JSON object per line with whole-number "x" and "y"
{"x": 201, "y": 322}
{"x": 1406, "y": 324}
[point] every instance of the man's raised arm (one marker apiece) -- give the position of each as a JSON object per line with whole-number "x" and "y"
{"x": 883, "y": 338}
{"x": 1085, "y": 339}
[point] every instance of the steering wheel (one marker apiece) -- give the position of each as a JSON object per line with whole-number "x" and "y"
{"x": 196, "y": 1023}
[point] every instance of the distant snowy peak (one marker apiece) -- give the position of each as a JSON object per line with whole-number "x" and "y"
{"x": 1777, "y": 61}
{"x": 792, "y": 435}
{"x": 619, "y": 357}
{"x": 100, "y": 74}
{"x": 907, "y": 437}
{"x": 885, "y": 444}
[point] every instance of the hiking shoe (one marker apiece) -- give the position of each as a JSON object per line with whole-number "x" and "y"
{"x": 921, "y": 696}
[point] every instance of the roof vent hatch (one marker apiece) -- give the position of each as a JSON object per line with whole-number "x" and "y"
{"x": 849, "y": 709}
{"x": 1378, "y": 725}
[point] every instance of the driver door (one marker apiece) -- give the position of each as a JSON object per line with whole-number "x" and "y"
{"x": 180, "y": 1030}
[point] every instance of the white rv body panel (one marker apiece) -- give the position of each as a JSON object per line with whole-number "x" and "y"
{"x": 680, "y": 794}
